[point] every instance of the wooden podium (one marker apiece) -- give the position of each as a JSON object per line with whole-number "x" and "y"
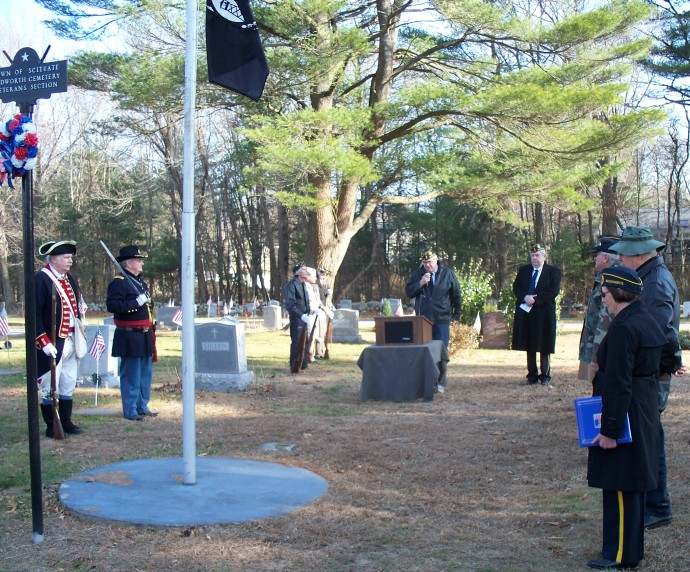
{"x": 402, "y": 330}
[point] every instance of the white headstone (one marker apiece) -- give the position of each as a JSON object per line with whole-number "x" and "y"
{"x": 108, "y": 367}
{"x": 346, "y": 326}
{"x": 346, "y": 304}
{"x": 272, "y": 318}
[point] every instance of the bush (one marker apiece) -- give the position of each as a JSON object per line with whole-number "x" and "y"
{"x": 462, "y": 338}
{"x": 386, "y": 308}
{"x": 476, "y": 286}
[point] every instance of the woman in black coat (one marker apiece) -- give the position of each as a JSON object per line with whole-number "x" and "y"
{"x": 627, "y": 380}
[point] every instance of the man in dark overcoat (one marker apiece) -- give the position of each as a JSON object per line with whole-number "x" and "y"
{"x": 299, "y": 310}
{"x": 536, "y": 288}
{"x": 55, "y": 333}
{"x": 129, "y": 299}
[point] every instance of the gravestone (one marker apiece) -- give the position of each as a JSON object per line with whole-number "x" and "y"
{"x": 221, "y": 358}
{"x": 494, "y": 332}
{"x": 395, "y": 304}
{"x": 686, "y": 309}
{"x": 164, "y": 316}
{"x": 212, "y": 310}
{"x": 272, "y": 317}
{"x": 108, "y": 367}
{"x": 346, "y": 326}
{"x": 109, "y": 321}
{"x": 274, "y": 303}
{"x": 346, "y": 304}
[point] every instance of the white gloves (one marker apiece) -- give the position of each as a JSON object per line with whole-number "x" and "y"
{"x": 305, "y": 318}
{"x": 50, "y": 350}
{"x": 142, "y": 299}
{"x": 329, "y": 313}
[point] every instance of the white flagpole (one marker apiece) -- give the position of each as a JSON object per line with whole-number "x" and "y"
{"x": 188, "y": 249}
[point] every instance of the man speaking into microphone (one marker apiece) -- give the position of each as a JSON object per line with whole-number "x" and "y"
{"x": 437, "y": 296}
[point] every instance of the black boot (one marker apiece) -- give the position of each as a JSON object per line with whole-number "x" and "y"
{"x": 47, "y": 412}
{"x": 65, "y": 409}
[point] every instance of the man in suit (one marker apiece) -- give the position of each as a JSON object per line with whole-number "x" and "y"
{"x": 536, "y": 287}
{"x": 297, "y": 305}
{"x": 55, "y": 332}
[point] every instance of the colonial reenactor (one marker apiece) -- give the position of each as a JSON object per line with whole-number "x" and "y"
{"x": 129, "y": 299}
{"x": 536, "y": 288}
{"x": 55, "y": 332}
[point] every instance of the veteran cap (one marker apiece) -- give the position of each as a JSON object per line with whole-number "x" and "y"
{"x": 427, "y": 255}
{"x": 131, "y": 251}
{"x": 536, "y": 247}
{"x": 604, "y": 244}
{"x": 55, "y": 247}
{"x": 296, "y": 267}
{"x": 622, "y": 277}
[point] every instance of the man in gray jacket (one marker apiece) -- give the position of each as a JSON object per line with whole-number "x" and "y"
{"x": 640, "y": 251}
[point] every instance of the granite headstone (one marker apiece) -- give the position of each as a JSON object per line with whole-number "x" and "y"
{"x": 494, "y": 332}
{"x": 346, "y": 326}
{"x": 221, "y": 359}
{"x": 108, "y": 367}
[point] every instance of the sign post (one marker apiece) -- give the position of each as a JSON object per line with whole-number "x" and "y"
{"x": 26, "y": 80}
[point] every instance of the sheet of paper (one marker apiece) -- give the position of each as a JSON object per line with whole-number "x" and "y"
{"x": 525, "y": 307}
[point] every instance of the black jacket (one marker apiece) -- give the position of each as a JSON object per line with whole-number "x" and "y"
{"x": 132, "y": 338}
{"x": 627, "y": 380}
{"x": 444, "y": 304}
{"x": 536, "y": 331}
{"x": 296, "y": 298}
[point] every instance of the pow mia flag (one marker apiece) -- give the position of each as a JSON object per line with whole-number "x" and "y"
{"x": 234, "y": 53}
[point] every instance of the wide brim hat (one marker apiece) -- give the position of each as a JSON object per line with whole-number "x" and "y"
{"x": 622, "y": 277}
{"x": 637, "y": 240}
{"x": 129, "y": 252}
{"x": 55, "y": 247}
{"x": 604, "y": 244}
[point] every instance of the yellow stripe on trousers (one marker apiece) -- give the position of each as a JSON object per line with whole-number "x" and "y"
{"x": 621, "y": 526}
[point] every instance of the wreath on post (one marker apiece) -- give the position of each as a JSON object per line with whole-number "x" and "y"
{"x": 18, "y": 148}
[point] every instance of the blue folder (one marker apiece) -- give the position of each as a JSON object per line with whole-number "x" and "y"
{"x": 588, "y": 415}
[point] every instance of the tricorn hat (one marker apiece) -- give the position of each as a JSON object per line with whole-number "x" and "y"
{"x": 55, "y": 247}
{"x": 604, "y": 244}
{"x": 622, "y": 277}
{"x": 428, "y": 254}
{"x": 131, "y": 251}
{"x": 637, "y": 240}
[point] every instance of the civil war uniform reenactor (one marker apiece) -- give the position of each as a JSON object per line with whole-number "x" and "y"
{"x": 597, "y": 318}
{"x": 55, "y": 332}
{"x": 134, "y": 342}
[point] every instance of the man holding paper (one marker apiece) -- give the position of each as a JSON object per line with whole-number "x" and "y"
{"x": 536, "y": 288}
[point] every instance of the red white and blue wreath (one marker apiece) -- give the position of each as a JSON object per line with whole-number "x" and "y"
{"x": 18, "y": 148}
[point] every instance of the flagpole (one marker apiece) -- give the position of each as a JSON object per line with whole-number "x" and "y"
{"x": 188, "y": 250}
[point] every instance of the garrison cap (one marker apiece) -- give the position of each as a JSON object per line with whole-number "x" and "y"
{"x": 622, "y": 277}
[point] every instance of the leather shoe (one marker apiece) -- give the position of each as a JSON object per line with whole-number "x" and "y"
{"x": 652, "y": 522}
{"x": 609, "y": 564}
{"x": 135, "y": 418}
{"x": 148, "y": 413}
{"x": 531, "y": 381}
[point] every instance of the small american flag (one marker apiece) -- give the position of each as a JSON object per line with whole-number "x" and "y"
{"x": 4, "y": 326}
{"x": 82, "y": 306}
{"x": 97, "y": 346}
{"x": 177, "y": 318}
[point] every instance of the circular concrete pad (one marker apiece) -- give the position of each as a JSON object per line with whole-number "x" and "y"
{"x": 152, "y": 491}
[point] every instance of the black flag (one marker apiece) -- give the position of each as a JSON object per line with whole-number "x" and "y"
{"x": 234, "y": 53}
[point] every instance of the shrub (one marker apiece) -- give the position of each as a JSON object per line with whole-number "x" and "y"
{"x": 462, "y": 338}
{"x": 684, "y": 340}
{"x": 386, "y": 308}
{"x": 476, "y": 286}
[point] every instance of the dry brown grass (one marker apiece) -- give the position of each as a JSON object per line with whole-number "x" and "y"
{"x": 487, "y": 477}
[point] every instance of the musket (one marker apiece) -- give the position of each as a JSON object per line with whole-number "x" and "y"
{"x": 119, "y": 267}
{"x": 328, "y": 338}
{"x": 58, "y": 432}
{"x": 301, "y": 347}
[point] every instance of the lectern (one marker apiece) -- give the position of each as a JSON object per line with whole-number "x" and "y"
{"x": 402, "y": 330}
